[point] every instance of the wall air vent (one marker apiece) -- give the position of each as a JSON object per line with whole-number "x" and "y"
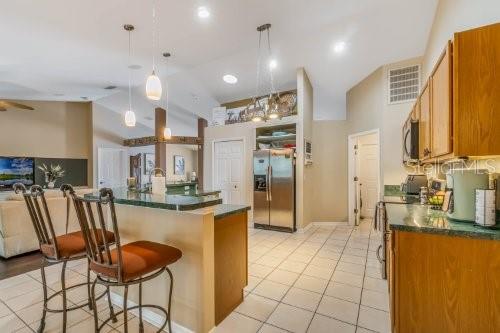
{"x": 404, "y": 84}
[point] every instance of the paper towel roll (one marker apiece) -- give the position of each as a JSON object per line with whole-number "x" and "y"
{"x": 157, "y": 185}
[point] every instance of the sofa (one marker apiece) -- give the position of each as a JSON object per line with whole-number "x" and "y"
{"x": 17, "y": 235}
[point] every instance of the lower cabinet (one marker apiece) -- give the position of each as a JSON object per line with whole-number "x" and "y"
{"x": 442, "y": 283}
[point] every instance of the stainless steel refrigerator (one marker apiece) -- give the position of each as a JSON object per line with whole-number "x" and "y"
{"x": 274, "y": 189}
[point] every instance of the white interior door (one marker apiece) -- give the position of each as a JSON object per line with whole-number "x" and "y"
{"x": 228, "y": 170}
{"x": 368, "y": 177}
{"x": 111, "y": 167}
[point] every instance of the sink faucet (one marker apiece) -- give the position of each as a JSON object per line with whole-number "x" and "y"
{"x": 154, "y": 171}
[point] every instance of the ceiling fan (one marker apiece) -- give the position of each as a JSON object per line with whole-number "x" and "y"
{"x": 4, "y": 105}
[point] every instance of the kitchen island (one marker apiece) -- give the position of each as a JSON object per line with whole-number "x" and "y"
{"x": 210, "y": 277}
{"x": 443, "y": 275}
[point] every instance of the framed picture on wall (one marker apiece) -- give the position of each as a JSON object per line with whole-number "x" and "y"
{"x": 149, "y": 163}
{"x": 179, "y": 165}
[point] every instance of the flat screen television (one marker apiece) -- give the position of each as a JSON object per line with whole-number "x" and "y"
{"x": 16, "y": 170}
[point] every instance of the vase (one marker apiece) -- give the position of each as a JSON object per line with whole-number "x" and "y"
{"x": 51, "y": 185}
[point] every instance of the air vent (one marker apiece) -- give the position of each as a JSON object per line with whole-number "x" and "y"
{"x": 404, "y": 84}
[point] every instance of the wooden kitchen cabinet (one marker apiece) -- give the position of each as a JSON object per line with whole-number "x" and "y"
{"x": 424, "y": 131}
{"x": 442, "y": 283}
{"x": 476, "y": 92}
{"x": 441, "y": 105}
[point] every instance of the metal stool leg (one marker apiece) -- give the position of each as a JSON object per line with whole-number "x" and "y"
{"x": 63, "y": 286}
{"x": 88, "y": 284}
{"x": 141, "y": 325}
{"x": 170, "y": 300}
{"x": 94, "y": 306}
{"x": 125, "y": 316}
{"x": 111, "y": 309}
{"x": 44, "y": 311}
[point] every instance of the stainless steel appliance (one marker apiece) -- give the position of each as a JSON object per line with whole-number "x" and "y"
{"x": 413, "y": 184}
{"x": 274, "y": 189}
{"x": 380, "y": 224}
{"x": 463, "y": 184}
{"x": 410, "y": 141}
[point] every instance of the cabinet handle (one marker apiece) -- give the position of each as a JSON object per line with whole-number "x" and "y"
{"x": 378, "y": 253}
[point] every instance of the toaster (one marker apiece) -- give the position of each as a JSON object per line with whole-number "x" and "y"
{"x": 413, "y": 184}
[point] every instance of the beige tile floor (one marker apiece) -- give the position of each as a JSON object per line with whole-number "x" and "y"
{"x": 324, "y": 280}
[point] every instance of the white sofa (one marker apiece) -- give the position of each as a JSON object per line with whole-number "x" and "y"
{"x": 17, "y": 234}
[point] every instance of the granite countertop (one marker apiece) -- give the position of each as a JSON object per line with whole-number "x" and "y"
{"x": 180, "y": 183}
{"x": 162, "y": 201}
{"x": 224, "y": 210}
{"x": 421, "y": 218}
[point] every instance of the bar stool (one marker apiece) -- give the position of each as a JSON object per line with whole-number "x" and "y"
{"x": 58, "y": 249}
{"x": 125, "y": 265}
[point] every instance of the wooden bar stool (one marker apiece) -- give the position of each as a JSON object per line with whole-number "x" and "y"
{"x": 125, "y": 265}
{"x": 58, "y": 249}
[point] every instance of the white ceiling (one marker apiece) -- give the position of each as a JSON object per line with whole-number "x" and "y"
{"x": 65, "y": 50}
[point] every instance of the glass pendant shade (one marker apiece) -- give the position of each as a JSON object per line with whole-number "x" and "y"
{"x": 153, "y": 87}
{"x": 167, "y": 133}
{"x": 130, "y": 118}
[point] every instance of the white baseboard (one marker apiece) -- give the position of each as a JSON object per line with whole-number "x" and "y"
{"x": 147, "y": 315}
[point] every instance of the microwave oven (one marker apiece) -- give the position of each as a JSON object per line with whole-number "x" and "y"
{"x": 410, "y": 141}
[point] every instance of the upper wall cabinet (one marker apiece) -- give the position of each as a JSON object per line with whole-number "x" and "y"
{"x": 441, "y": 105}
{"x": 476, "y": 92}
{"x": 459, "y": 108}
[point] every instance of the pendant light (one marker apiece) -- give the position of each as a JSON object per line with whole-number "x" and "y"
{"x": 167, "y": 132}
{"x": 153, "y": 83}
{"x": 129, "y": 115}
{"x": 255, "y": 111}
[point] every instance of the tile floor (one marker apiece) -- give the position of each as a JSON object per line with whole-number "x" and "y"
{"x": 324, "y": 280}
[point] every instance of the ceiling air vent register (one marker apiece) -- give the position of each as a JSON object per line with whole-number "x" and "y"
{"x": 404, "y": 84}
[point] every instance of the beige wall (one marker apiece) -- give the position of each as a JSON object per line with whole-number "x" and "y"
{"x": 329, "y": 178}
{"x": 454, "y": 16}
{"x": 52, "y": 130}
{"x": 304, "y": 174}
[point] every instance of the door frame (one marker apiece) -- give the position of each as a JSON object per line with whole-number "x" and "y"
{"x": 244, "y": 164}
{"x": 125, "y": 161}
{"x": 351, "y": 170}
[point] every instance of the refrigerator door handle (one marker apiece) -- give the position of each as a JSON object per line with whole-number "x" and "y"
{"x": 267, "y": 183}
{"x": 270, "y": 186}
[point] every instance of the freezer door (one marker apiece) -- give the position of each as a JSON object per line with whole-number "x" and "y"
{"x": 261, "y": 187}
{"x": 281, "y": 188}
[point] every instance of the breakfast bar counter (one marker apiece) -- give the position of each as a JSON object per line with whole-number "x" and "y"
{"x": 210, "y": 277}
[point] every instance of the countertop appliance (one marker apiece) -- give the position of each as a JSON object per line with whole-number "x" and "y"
{"x": 463, "y": 184}
{"x": 413, "y": 184}
{"x": 274, "y": 189}
{"x": 410, "y": 141}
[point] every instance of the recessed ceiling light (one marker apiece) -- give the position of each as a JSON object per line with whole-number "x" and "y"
{"x": 339, "y": 47}
{"x": 110, "y": 87}
{"x": 231, "y": 79}
{"x": 203, "y": 12}
{"x": 273, "y": 64}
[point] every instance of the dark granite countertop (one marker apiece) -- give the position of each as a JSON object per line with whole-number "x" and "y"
{"x": 166, "y": 201}
{"x": 180, "y": 183}
{"x": 221, "y": 211}
{"x": 402, "y": 199}
{"x": 421, "y": 218}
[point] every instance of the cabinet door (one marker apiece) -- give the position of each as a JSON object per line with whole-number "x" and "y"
{"x": 476, "y": 91}
{"x": 441, "y": 105}
{"x": 424, "y": 132}
{"x": 392, "y": 279}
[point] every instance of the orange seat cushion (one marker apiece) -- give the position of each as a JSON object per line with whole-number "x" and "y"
{"x": 139, "y": 259}
{"x": 72, "y": 244}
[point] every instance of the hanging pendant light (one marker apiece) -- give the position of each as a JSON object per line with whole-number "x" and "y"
{"x": 129, "y": 114}
{"x": 254, "y": 110}
{"x": 167, "y": 132}
{"x": 153, "y": 83}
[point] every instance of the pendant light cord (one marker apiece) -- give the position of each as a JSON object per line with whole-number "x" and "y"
{"x": 258, "y": 69}
{"x": 271, "y": 78}
{"x": 156, "y": 36}
{"x": 129, "y": 75}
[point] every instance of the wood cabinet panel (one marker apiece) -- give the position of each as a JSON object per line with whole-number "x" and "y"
{"x": 441, "y": 105}
{"x": 446, "y": 284}
{"x": 424, "y": 131}
{"x": 476, "y": 91}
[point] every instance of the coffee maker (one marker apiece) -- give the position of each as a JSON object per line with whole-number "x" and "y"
{"x": 463, "y": 184}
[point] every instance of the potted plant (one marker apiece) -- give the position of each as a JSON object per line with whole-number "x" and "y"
{"x": 51, "y": 174}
